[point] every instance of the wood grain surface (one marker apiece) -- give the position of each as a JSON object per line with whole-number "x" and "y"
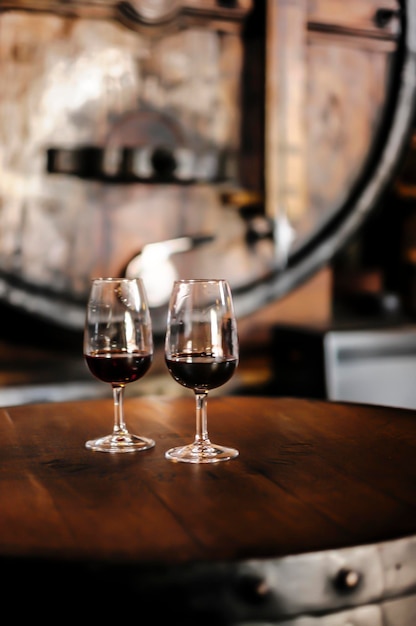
{"x": 311, "y": 475}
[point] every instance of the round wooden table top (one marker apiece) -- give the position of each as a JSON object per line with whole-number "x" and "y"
{"x": 311, "y": 475}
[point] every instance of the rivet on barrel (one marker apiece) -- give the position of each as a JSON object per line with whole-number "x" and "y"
{"x": 253, "y": 589}
{"x": 347, "y": 580}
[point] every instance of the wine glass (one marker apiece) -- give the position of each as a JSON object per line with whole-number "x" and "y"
{"x": 118, "y": 349}
{"x": 201, "y": 353}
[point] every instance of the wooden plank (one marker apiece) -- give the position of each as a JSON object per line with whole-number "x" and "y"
{"x": 285, "y": 136}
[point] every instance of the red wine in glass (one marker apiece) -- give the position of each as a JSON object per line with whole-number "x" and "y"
{"x": 199, "y": 371}
{"x": 201, "y": 353}
{"x": 118, "y": 349}
{"x": 118, "y": 367}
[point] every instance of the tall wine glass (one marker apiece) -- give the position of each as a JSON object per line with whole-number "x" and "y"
{"x": 201, "y": 353}
{"x": 118, "y": 349}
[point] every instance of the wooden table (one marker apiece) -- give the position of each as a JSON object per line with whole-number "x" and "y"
{"x": 320, "y": 491}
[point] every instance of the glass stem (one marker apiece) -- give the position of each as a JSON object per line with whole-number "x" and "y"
{"x": 119, "y": 425}
{"x": 201, "y": 417}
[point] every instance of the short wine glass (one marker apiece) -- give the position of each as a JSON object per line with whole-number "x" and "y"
{"x": 201, "y": 353}
{"x": 118, "y": 349}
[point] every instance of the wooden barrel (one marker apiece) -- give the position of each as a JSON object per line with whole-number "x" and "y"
{"x": 312, "y": 524}
{"x": 240, "y": 139}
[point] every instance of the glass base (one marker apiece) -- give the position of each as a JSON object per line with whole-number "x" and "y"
{"x": 205, "y": 452}
{"x": 120, "y": 443}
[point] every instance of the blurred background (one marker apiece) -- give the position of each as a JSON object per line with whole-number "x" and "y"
{"x": 271, "y": 143}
